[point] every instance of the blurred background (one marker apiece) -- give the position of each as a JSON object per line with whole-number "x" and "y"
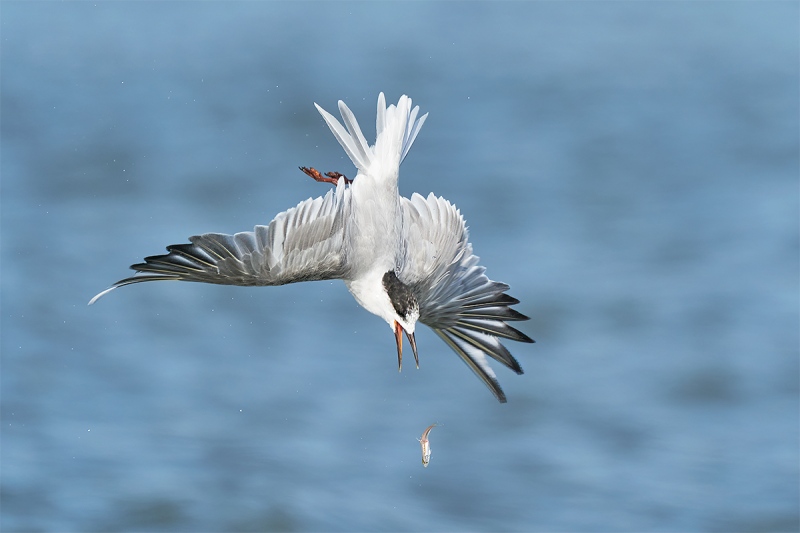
{"x": 630, "y": 169}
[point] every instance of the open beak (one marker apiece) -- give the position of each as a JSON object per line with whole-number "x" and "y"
{"x": 413, "y": 342}
{"x": 398, "y": 337}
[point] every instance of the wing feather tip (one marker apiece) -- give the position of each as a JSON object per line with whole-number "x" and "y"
{"x": 101, "y": 294}
{"x": 481, "y": 369}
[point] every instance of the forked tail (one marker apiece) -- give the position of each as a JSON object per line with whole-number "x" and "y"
{"x": 396, "y": 128}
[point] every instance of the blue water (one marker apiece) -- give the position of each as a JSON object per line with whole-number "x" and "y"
{"x": 630, "y": 169}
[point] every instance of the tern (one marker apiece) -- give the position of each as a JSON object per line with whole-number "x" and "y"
{"x": 404, "y": 260}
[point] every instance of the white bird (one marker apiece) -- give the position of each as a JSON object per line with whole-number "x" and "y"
{"x": 405, "y": 260}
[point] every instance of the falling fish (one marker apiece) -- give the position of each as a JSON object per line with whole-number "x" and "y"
{"x": 426, "y": 445}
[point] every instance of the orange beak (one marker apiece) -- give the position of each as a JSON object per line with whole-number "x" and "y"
{"x": 398, "y": 337}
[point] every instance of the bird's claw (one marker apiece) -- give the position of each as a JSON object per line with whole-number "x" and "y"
{"x": 329, "y": 177}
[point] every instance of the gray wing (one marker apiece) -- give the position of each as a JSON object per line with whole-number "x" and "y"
{"x": 304, "y": 243}
{"x": 465, "y": 308}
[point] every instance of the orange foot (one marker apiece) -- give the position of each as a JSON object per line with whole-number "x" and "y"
{"x": 330, "y": 177}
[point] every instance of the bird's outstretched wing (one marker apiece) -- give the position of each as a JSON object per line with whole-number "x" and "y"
{"x": 304, "y": 243}
{"x": 465, "y": 308}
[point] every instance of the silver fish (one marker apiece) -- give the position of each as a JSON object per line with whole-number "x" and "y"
{"x": 426, "y": 445}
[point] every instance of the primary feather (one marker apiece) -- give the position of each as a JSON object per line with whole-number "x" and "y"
{"x": 464, "y": 307}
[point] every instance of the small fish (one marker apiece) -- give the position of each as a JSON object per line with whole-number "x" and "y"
{"x": 426, "y": 445}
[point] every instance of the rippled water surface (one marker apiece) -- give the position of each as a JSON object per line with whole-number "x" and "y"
{"x": 631, "y": 170}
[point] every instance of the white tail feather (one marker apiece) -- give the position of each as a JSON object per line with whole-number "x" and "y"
{"x": 396, "y": 128}
{"x": 347, "y": 142}
{"x": 355, "y": 131}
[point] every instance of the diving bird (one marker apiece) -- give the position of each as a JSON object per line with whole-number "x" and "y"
{"x": 405, "y": 260}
